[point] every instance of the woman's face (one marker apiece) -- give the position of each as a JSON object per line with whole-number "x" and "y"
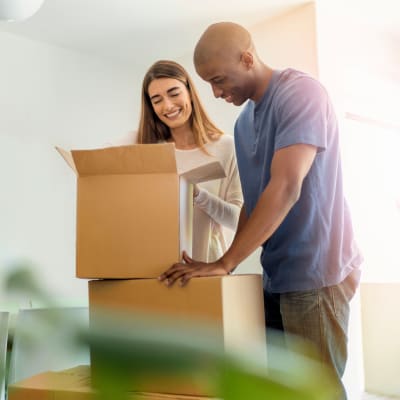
{"x": 171, "y": 101}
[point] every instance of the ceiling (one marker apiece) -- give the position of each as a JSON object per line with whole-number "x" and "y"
{"x": 137, "y": 32}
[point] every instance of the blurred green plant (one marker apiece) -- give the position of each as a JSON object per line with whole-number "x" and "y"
{"x": 129, "y": 349}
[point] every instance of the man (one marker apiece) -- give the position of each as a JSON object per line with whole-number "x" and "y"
{"x": 287, "y": 147}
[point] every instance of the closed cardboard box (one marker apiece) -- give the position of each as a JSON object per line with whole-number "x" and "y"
{"x": 134, "y": 209}
{"x": 72, "y": 384}
{"x": 232, "y": 305}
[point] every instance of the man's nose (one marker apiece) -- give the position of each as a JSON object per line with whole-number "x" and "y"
{"x": 217, "y": 91}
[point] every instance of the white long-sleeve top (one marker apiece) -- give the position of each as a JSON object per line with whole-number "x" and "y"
{"x": 218, "y": 204}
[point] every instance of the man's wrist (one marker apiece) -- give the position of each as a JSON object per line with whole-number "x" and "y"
{"x": 227, "y": 265}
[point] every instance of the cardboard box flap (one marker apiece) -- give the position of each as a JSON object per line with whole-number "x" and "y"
{"x": 205, "y": 172}
{"x": 67, "y": 156}
{"x": 132, "y": 159}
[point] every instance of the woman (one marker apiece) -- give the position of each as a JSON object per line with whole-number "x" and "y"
{"x": 172, "y": 112}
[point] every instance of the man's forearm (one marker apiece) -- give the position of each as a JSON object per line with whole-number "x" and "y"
{"x": 271, "y": 209}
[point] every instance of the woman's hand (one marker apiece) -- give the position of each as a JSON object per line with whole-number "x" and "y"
{"x": 196, "y": 191}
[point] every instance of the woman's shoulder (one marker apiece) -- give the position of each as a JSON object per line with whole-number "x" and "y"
{"x": 224, "y": 141}
{"x": 223, "y": 148}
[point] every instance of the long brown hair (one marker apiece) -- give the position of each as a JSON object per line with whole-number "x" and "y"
{"x": 152, "y": 129}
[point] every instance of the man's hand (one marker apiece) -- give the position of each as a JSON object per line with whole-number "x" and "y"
{"x": 191, "y": 268}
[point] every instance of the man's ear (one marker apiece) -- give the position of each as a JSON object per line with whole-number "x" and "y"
{"x": 247, "y": 59}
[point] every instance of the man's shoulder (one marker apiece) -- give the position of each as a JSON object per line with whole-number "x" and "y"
{"x": 295, "y": 86}
{"x": 292, "y": 79}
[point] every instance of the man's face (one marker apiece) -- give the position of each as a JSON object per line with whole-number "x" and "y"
{"x": 228, "y": 79}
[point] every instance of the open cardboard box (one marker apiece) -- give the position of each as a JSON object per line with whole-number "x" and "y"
{"x": 231, "y": 305}
{"x": 73, "y": 384}
{"x": 134, "y": 209}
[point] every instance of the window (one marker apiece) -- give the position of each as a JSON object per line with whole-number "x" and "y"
{"x": 371, "y": 167}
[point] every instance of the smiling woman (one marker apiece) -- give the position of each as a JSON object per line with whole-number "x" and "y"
{"x": 171, "y": 103}
{"x": 172, "y": 112}
{"x": 168, "y": 87}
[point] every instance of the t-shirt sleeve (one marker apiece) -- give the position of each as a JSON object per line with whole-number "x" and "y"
{"x": 302, "y": 108}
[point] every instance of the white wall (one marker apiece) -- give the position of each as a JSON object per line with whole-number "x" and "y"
{"x": 289, "y": 40}
{"x": 360, "y": 61}
{"x": 52, "y": 96}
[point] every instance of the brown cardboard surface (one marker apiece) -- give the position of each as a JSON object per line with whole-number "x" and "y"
{"x": 125, "y": 232}
{"x": 65, "y": 385}
{"x": 232, "y": 304}
{"x": 138, "y": 159}
{"x": 72, "y": 384}
{"x": 205, "y": 172}
{"x": 134, "y": 210}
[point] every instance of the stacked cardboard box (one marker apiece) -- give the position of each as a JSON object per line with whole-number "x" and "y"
{"x": 73, "y": 384}
{"x": 232, "y": 305}
{"x": 134, "y": 218}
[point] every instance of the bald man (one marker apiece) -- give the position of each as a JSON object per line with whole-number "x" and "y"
{"x": 287, "y": 148}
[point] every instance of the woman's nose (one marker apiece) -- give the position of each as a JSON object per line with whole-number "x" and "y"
{"x": 168, "y": 105}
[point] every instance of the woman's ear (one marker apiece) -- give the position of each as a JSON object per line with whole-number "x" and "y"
{"x": 247, "y": 59}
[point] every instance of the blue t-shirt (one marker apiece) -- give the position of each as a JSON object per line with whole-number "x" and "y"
{"x": 314, "y": 246}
